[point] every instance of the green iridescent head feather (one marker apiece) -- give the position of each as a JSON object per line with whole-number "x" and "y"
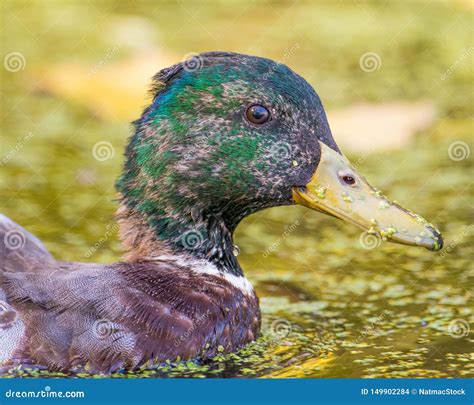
{"x": 197, "y": 166}
{"x": 194, "y": 155}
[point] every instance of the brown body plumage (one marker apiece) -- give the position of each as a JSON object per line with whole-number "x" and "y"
{"x": 123, "y": 315}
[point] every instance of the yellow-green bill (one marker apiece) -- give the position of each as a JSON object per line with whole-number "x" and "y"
{"x": 337, "y": 189}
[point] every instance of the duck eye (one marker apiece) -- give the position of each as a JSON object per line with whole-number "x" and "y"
{"x": 257, "y": 114}
{"x": 348, "y": 179}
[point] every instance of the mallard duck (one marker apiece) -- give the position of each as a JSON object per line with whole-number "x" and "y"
{"x": 226, "y": 135}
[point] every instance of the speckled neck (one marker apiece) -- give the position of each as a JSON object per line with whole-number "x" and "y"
{"x": 196, "y": 166}
{"x": 208, "y": 238}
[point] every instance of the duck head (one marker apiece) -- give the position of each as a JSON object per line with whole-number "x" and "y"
{"x": 228, "y": 135}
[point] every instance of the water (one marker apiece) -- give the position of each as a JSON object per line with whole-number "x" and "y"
{"x": 331, "y": 307}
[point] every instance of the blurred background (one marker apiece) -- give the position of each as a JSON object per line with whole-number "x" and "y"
{"x": 396, "y": 80}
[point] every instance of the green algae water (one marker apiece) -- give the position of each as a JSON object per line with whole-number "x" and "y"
{"x": 334, "y": 303}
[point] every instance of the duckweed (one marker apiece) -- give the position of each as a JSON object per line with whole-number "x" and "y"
{"x": 319, "y": 279}
{"x": 320, "y": 192}
{"x": 347, "y": 198}
{"x": 384, "y": 205}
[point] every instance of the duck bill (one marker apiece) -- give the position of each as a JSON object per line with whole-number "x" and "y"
{"x": 338, "y": 190}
